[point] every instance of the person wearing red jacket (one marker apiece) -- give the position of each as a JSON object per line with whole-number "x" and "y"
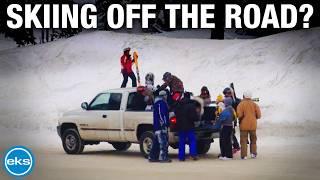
{"x": 126, "y": 68}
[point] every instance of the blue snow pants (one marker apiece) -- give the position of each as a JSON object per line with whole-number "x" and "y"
{"x": 159, "y": 150}
{"x": 191, "y": 137}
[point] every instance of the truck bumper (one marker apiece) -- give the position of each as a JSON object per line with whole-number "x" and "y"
{"x": 206, "y": 133}
{"x": 201, "y": 134}
{"x": 59, "y": 130}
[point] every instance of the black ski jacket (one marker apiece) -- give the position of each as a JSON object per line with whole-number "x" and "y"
{"x": 186, "y": 115}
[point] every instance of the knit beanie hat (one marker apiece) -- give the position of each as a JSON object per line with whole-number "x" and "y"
{"x": 162, "y": 93}
{"x": 247, "y": 94}
{"x": 219, "y": 98}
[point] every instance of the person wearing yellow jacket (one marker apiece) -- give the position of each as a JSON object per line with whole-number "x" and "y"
{"x": 248, "y": 113}
{"x": 220, "y": 105}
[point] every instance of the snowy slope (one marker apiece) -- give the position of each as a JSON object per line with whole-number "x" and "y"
{"x": 39, "y": 83}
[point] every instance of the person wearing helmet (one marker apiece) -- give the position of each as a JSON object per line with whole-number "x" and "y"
{"x": 126, "y": 68}
{"x": 159, "y": 150}
{"x": 228, "y": 93}
{"x": 175, "y": 85}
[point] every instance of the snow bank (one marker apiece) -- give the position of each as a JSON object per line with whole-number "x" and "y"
{"x": 39, "y": 83}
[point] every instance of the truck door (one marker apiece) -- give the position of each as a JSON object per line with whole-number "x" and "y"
{"x": 113, "y": 117}
{"x": 134, "y": 114}
{"x": 104, "y": 116}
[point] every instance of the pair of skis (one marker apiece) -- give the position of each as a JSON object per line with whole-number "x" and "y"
{"x": 234, "y": 96}
{"x": 135, "y": 59}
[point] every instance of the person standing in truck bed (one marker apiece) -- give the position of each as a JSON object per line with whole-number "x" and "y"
{"x": 176, "y": 88}
{"x": 126, "y": 68}
{"x": 205, "y": 95}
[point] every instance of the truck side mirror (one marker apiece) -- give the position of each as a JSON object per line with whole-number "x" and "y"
{"x": 84, "y": 105}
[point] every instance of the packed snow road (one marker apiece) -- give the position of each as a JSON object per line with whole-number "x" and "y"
{"x": 282, "y": 157}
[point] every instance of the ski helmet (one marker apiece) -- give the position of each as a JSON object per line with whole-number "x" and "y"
{"x": 126, "y": 49}
{"x": 166, "y": 76}
{"x": 226, "y": 90}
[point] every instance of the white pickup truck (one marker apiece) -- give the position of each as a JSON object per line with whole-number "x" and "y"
{"x": 119, "y": 117}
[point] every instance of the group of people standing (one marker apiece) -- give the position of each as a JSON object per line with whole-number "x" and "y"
{"x": 229, "y": 112}
{"x": 187, "y": 111}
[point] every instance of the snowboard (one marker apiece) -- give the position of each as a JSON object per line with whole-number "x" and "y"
{"x": 135, "y": 59}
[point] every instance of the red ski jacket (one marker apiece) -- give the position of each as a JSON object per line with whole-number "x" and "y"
{"x": 126, "y": 64}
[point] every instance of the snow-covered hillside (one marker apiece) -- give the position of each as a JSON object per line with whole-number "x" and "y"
{"x": 39, "y": 83}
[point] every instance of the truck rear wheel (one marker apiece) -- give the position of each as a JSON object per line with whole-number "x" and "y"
{"x": 121, "y": 146}
{"x": 203, "y": 147}
{"x": 72, "y": 142}
{"x": 146, "y": 141}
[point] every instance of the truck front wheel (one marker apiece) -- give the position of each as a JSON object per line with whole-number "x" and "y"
{"x": 72, "y": 142}
{"x": 146, "y": 141}
{"x": 121, "y": 146}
